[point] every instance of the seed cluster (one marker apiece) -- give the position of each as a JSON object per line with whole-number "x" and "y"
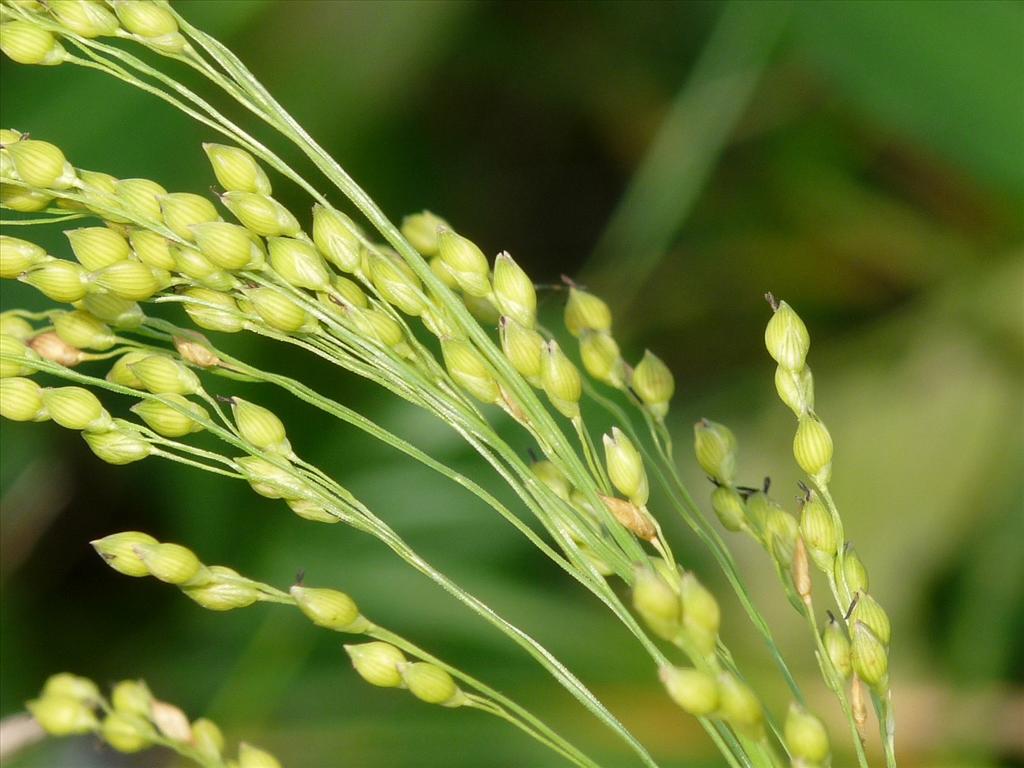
{"x": 400, "y": 320}
{"x": 132, "y": 720}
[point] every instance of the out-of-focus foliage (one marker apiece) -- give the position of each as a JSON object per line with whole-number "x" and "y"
{"x": 874, "y": 178}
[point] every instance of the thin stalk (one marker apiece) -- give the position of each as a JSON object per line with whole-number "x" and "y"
{"x": 386, "y": 535}
{"x": 688, "y": 510}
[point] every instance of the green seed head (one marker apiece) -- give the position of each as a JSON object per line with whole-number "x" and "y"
{"x": 271, "y": 481}
{"x": 207, "y": 738}
{"x": 760, "y": 506}
{"x": 83, "y": 330}
{"x": 172, "y": 563}
{"x": 21, "y": 399}
{"x": 869, "y": 612}
{"x": 279, "y": 312}
{"x": 654, "y": 384}
{"x": 870, "y": 660}
{"x": 76, "y": 408}
{"x": 694, "y": 691}
{"x": 145, "y": 18}
{"x": 376, "y": 324}
{"x": 85, "y": 17}
{"x": 152, "y": 249}
{"x": 812, "y": 448}
{"x": 130, "y": 280}
{"x": 299, "y": 264}
{"x": 41, "y": 164}
{"x": 16, "y": 256}
{"x": 625, "y": 467}
{"x": 701, "y": 614}
{"x": 467, "y": 263}
{"x": 117, "y": 446}
{"x": 28, "y": 44}
{"x": 15, "y": 326}
{"x": 9, "y": 345}
{"x": 223, "y": 315}
{"x": 429, "y": 683}
{"x": 561, "y": 380}
{"x": 523, "y": 347}
{"x": 121, "y": 372}
{"x": 330, "y": 609}
{"x": 806, "y": 737}
{"x": 657, "y": 602}
{"x": 729, "y": 507}
{"x": 252, "y": 757}
{"x": 715, "y": 447}
{"x": 228, "y": 246}
{"x": 141, "y": 197}
{"x": 123, "y": 551}
{"x": 469, "y": 370}
{"x": 62, "y": 281}
{"x": 444, "y": 274}
{"x": 126, "y": 732}
{"x": 183, "y": 210}
{"x": 854, "y": 574}
{"x": 818, "y": 530}
{"x": 236, "y": 170}
{"x": 171, "y": 421}
{"x": 337, "y": 237}
{"x": 513, "y": 291}
{"x": 161, "y": 374}
{"x": 786, "y": 338}
{"x": 781, "y": 530}
{"x": 98, "y": 247}
{"x": 62, "y": 715}
{"x": 119, "y": 313}
{"x": 97, "y": 182}
{"x": 553, "y": 478}
{"x": 222, "y": 589}
{"x": 311, "y": 510}
{"x": 739, "y": 705}
{"x": 261, "y": 214}
{"x": 796, "y": 389}
{"x": 422, "y": 231}
{"x": 260, "y": 427}
{"x": 79, "y": 688}
{"x": 837, "y": 646}
{"x": 132, "y": 697}
{"x": 190, "y": 262}
{"x": 349, "y": 291}
{"x": 378, "y": 663}
{"x": 397, "y": 284}
{"x": 23, "y": 200}
{"x": 602, "y": 358}
{"x": 586, "y": 312}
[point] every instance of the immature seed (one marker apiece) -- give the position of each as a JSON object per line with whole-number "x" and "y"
{"x": 586, "y": 312}
{"x": 62, "y": 715}
{"x": 422, "y": 230}
{"x": 806, "y": 737}
{"x": 654, "y": 384}
{"x": 696, "y": 692}
{"x": 378, "y": 663}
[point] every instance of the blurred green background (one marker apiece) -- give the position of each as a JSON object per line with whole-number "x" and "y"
{"x": 865, "y": 161}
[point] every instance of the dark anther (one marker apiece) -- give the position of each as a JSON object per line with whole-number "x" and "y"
{"x": 767, "y": 484}
{"x": 300, "y": 577}
{"x": 853, "y": 604}
{"x": 770, "y": 298}
{"x": 223, "y": 399}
